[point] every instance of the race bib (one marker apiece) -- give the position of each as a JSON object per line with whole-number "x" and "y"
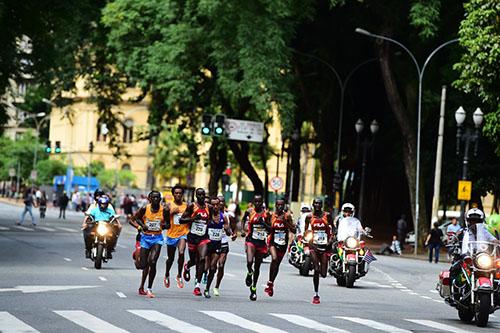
{"x": 177, "y": 218}
{"x": 320, "y": 238}
{"x": 198, "y": 228}
{"x": 279, "y": 238}
{"x": 259, "y": 233}
{"x": 153, "y": 225}
{"x": 215, "y": 234}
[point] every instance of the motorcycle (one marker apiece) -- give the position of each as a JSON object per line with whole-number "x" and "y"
{"x": 475, "y": 290}
{"x": 349, "y": 263}
{"x": 298, "y": 256}
{"x": 103, "y": 233}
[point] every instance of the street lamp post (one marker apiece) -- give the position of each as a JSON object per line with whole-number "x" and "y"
{"x": 420, "y": 72}
{"x": 365, "y": 145}
{"x": 468, "y": 135}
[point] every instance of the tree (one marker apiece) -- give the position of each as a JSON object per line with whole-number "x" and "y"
{"x": 48, "y": 169}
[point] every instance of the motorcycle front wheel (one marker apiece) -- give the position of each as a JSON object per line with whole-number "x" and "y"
{"x": 465, "y": 315}
{"x": 341, "y": 281}
{"x": 351, "y": 276}
{"x": 483, "y": 313}
{"x": 98, "y": 257}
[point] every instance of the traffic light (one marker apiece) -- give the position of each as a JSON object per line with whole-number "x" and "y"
{"x": 219, "y": 128}
{"x": 58, "y": 150}
{"x": 48, "y": 147}
{"x": 206, "y": 124}
{"x": 91, "y": 146}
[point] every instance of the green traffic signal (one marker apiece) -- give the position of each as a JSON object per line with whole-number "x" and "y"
{"x": 58, "y": 149}
{"x": 48, "y": 147}
{"x": 205, "y": 131}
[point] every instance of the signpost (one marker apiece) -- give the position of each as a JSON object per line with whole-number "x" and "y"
{"x": 276, "y": 183}
{"x": 244, "y": 130}
{"x": 464, "y": 190}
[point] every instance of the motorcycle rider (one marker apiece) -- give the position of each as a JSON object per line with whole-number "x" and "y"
{"x": 305, "y": 210}
{"x": 102, "y": 212}
{"x": 348, "y": 225}
{"x": 320, "y": 239}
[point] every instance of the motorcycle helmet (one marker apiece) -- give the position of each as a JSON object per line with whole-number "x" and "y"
{"x": 103, "y": 202}
{"x": 348, "y": 207}
{"x": 98, "y": 193}
{"x": 474, "y": 215}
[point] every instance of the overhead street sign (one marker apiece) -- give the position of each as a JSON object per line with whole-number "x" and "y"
{"x": 12, "y": 172}
{"x": 276, "y": 183}
{"x": 464, "y": 190}
{"x": 244, "y": 130}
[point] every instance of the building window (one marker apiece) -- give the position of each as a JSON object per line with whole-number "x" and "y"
{"x": 128, "y": 131}
{"x": 126, "y": 166}
{"x": 102, "y": 132}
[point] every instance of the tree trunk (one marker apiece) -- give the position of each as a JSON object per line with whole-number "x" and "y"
{"x": 327, "y": 159}
{"x": 262, "y": 151}
{"x": 295, "y": 166}
{"x": 407, "y": 127}
{"x": 240, "y": 150}
{"x": 218, "y": 161}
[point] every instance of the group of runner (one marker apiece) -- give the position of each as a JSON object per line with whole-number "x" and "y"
{"x": 206, "y": 227}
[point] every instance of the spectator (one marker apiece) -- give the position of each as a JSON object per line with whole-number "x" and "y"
{"x": 395, "y": 247}
{"x": 29, "y": 202}
{"x": 434, "y": 242}
{"x": 43, "y": 205}
{"x": 401, "y": 227}
{"x": 127, "y": 205}
{"x": 63, "y": 204}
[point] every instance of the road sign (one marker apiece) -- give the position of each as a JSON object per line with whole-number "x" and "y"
{"x": 276, "y": 183}
{"x": 244, "y": 130}
{"x": 12, "y": 172}
{"x": 464, "y": 190}
{"x": 33, "y": 174}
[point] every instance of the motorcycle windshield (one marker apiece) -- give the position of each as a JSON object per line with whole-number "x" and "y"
{"x": 477, "y": 247}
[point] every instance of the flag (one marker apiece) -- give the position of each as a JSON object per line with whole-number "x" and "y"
{"x": 369, "y": 257}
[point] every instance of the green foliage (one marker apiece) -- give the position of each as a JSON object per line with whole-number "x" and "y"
{"x": 21, "y": 150}
{"x": 47, "y": 169}
{"x": 96, "y": 167}
{"x": 424, "y": 16}
{"x": 478, "y": 67}
{"x": 107, "y": 178}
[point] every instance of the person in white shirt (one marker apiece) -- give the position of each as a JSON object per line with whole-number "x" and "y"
{"x": 305, "y": 210}
{"x": 348, "y": 225}
{"x": 476, "y": 231}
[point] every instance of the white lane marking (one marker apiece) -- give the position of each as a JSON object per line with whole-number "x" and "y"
{"x": 41, "y": 289}
{"x": 85, "y": 268}
{"x": 10, "y": 324}
{"x": 46, "y": 229}
{"x": 68, "y": 259}
{"x": 237, "y": 254}
{"x": 66, "y": 229}
{"x": 229, "y": 274}
{"x": 20, "y": 227}
{"x": 426, "y": 297}
{"x": 413, "y": 293}
{"x": 375, "y": 324}
{"x": 4, "y": 228}
{"x": 233, "y": 319}
{"x": 168, "y": 322}
{"x": 434, "y": 291}
{"x": 121, "y": 246}
{"x": 374, "y": 284}
{"x": 121, "y": 295}
{"x": 437, "y": 301}
{"x": 88, "y": 321}
{"x": 308, "y": 323}
{"x": 439, "y": 326}
{"x": 102, "y": 278}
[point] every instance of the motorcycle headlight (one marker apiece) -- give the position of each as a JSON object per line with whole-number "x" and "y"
{"x": 351, "y": 242}
{"x": 102, "y": 229}
{"x": 484, "y": 261}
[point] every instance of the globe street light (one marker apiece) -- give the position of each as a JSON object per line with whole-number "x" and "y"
{"x": 420, "y": 72}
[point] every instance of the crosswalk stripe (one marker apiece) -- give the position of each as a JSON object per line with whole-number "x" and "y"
{"x": 308, "y": 323}
{"x": 10, "y": 324}
{"x": 4, "y": 228}
{"x": 439, "y": 326}
{"x": 46, "y": 229}
{"x": 233, "y": 319}
{"x": 20, "y": 227}
{"x": 66, "y": 229}
{"x": 88, "y": 321}
{"x": 168, "y": 321}
{"x": 375, "y": 324}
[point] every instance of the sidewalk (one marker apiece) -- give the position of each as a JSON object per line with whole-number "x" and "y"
{"x": 51, "y": 210}
{"x": 408, "y": 252}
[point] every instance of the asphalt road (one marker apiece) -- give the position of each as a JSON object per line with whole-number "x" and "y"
{"x": 46, "y": 285}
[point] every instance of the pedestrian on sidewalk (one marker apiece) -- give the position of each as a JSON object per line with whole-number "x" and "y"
{"x": 29, "y": 202}
{"x": 43, "y": 205}
{"x": 434, "y": 242}
{"x": 401, "y": 227}
{"x": 63, "y": 204}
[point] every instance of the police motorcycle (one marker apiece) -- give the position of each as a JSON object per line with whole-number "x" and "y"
{"x": 475, "y": 290}
{"x": 299, "y": 257}
{"x": 103, "y": 234}
{"x": 348, "y": 263}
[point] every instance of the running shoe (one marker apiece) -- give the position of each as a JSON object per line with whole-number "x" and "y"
{"x": 142, "y": 292}
{"x": 186, "y": 275}
{"x": 269, "y": 289}
{"x": 253, "y": 293}
{"x": 316, "y": 300}
{"x": 149, "y": 294}
{"x": 166, "y": 281}
{"x": 197, "y": 291}
{"x": 204, "y": 279}
{"x": 180, "y": 283}
{"x": 216, "y": 291}
{"x": 206, "y": 293}
{"x": 248, "y": 280}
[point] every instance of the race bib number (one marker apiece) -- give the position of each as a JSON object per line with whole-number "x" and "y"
{"x": 279, "y": 238}
{"x": 153, "y": 225}
{"x": 177, "y": 218}
{"x": 259, "y": 233}
{"x": 320, "y": 238}
{"x": 198, "y": 228}
{"x": 215, "y": 234}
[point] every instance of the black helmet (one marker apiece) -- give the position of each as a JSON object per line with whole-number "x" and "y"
{"x": 98, "y": 193}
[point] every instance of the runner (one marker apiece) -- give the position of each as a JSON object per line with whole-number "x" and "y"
{"x": 224, "y": 249}
{"x": 281, "y": 226}
{"x": 176, "y": 236}
{"x": 197, "y": 216}
{"x": 135, "y": 254}
{"x": 255, "y": 242}
{"x": 153, "y": 219}
{"x": 320, "y": 240}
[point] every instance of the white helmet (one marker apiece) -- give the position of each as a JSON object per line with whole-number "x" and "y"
{"x": 348, "y": 207}
{"x": 474, "y": 215}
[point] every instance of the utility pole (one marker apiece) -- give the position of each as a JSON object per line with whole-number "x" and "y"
{"x": 439, "y": 158}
